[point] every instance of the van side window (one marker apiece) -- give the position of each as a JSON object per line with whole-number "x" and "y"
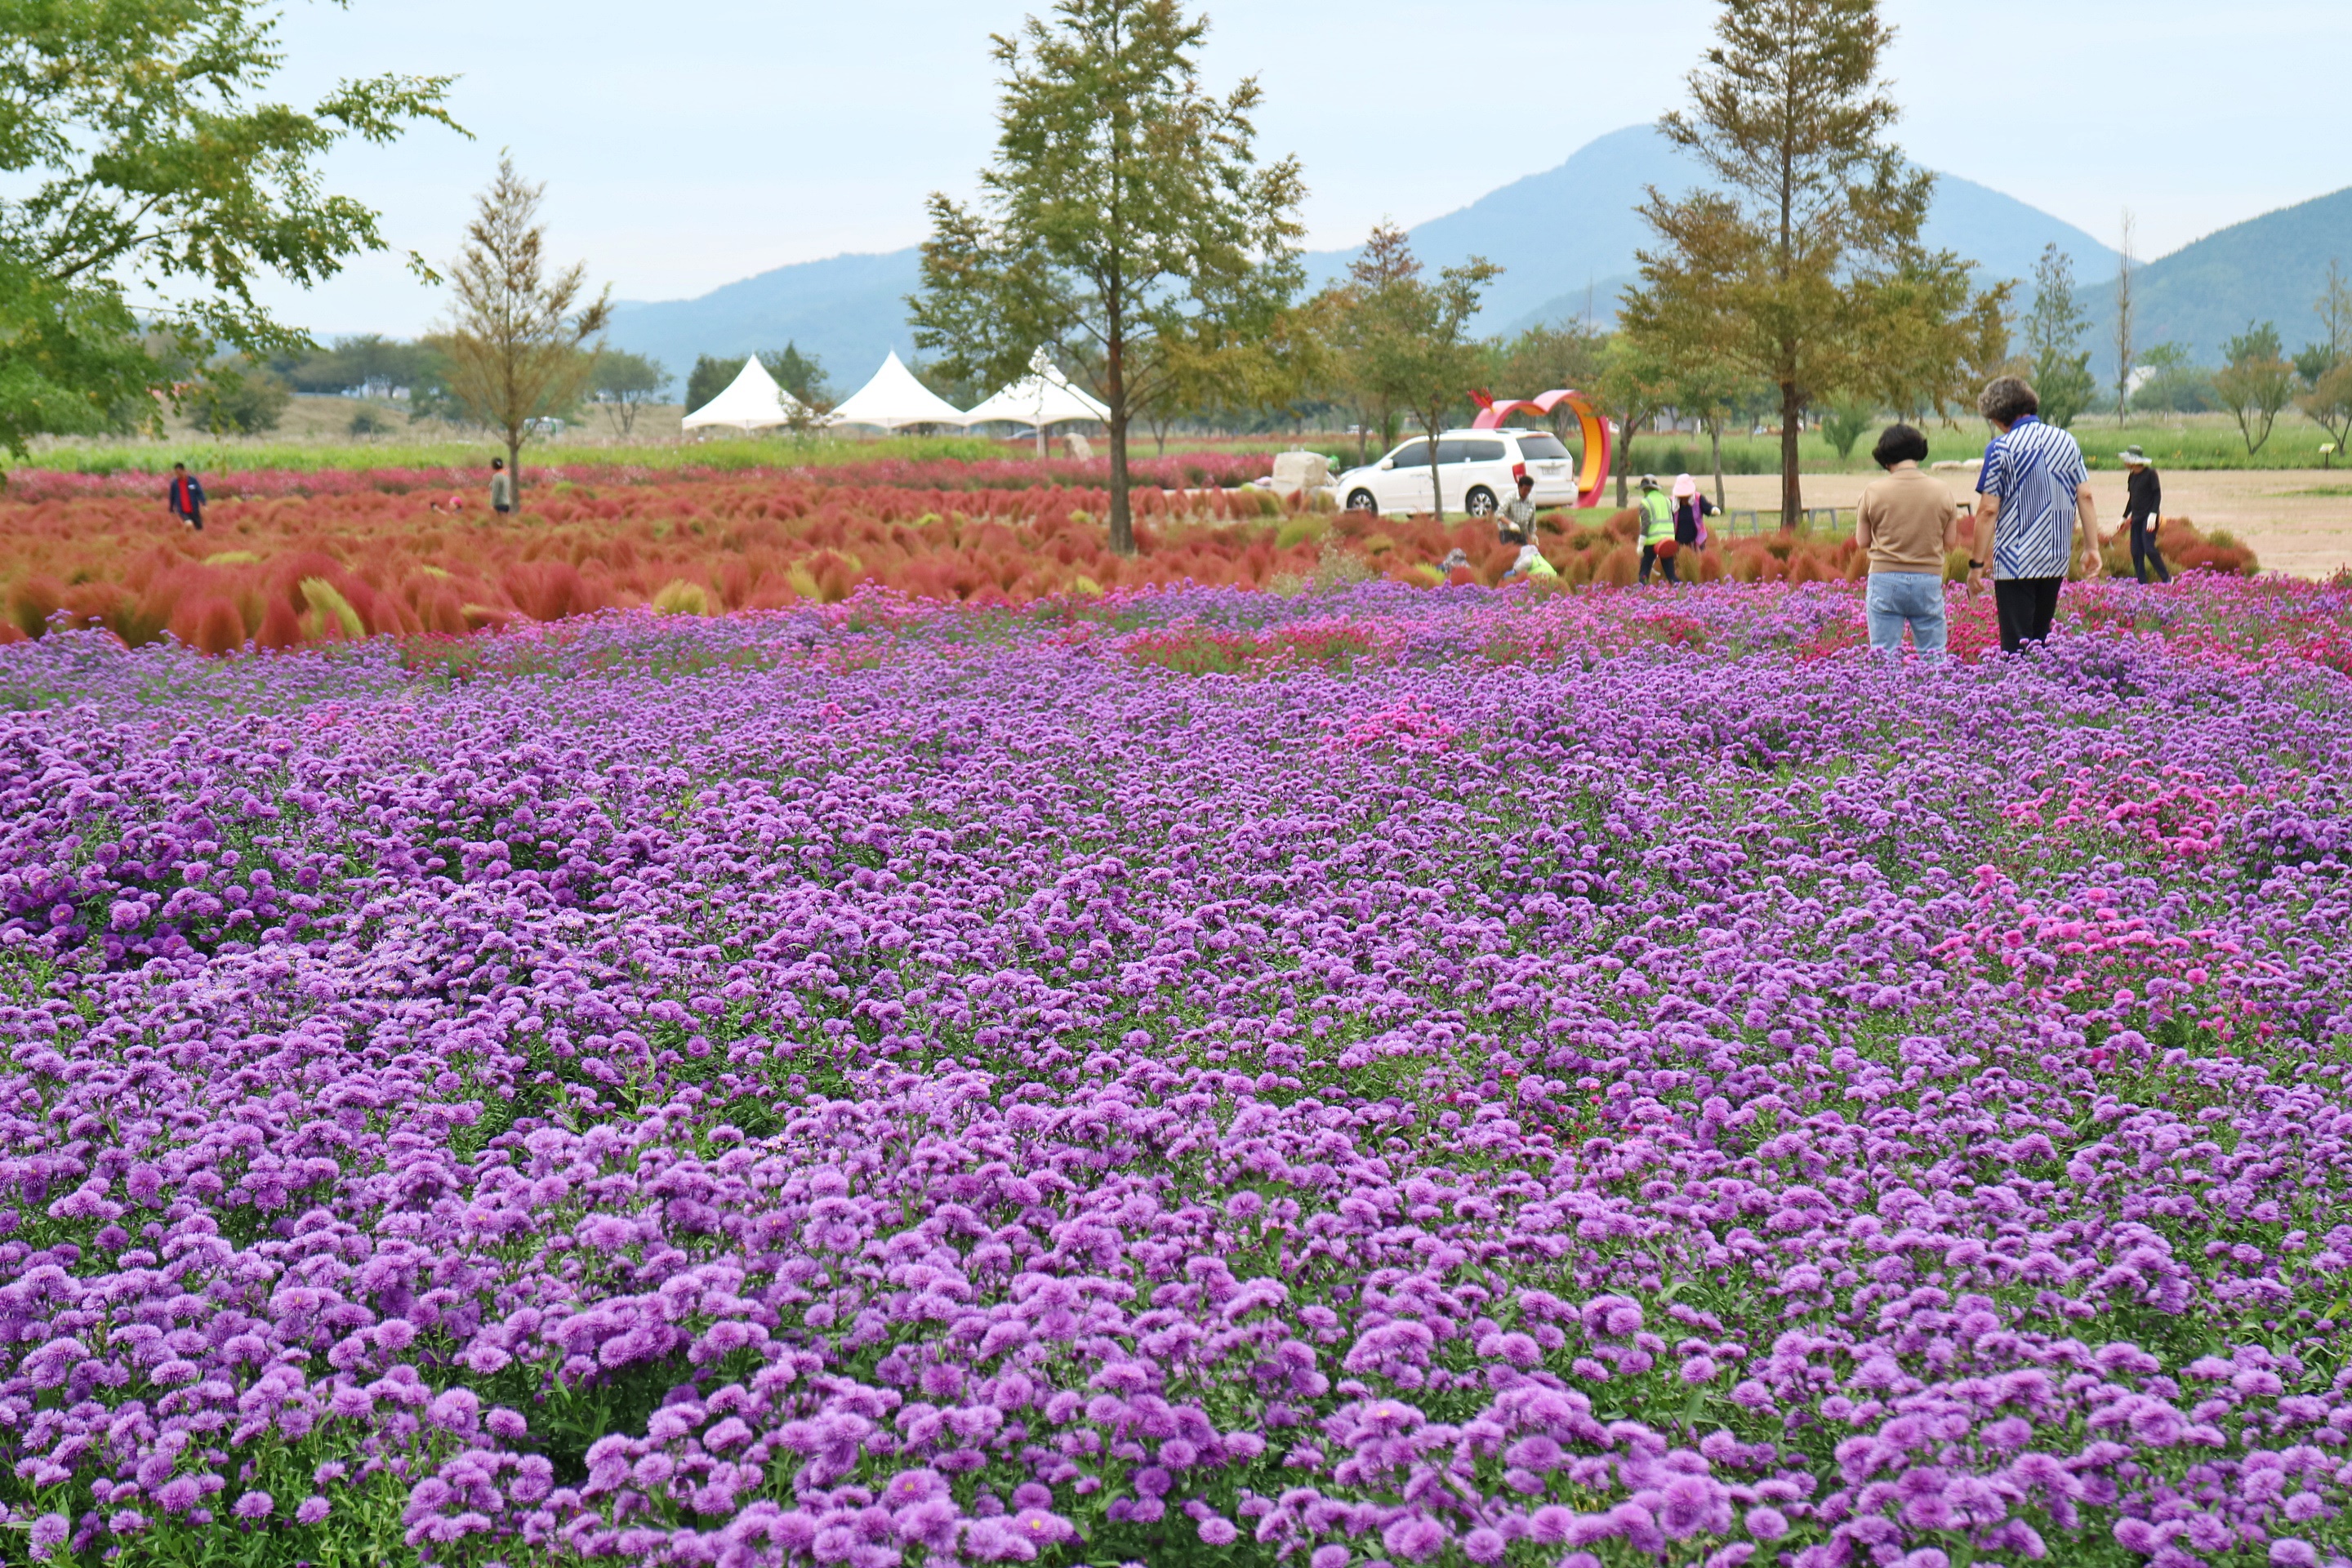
{"x": 1484, "y": 452}
{"x": 1452, "y": 451}
{"x": 1411, "y": 455}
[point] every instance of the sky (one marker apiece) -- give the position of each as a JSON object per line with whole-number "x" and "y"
{"x": 686, "y": 148}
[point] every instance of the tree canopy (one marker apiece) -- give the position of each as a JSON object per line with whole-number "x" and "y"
{"x": 1804, "y": 257}
{"x": 2053, "y": 336}
{"x": 1126, "y": 214}
{"x": 519, "y": 337}
{"x": 149, "y": 188}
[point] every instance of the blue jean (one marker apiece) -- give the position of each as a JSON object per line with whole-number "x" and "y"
{"x": 1897, "y": 599}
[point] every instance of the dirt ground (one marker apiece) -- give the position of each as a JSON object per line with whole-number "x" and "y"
{"x": 2296, "y": 520}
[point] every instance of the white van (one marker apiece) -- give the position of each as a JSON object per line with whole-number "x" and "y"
{"x": 1476, "y": 469}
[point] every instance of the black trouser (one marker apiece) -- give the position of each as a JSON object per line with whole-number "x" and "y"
{"x": 194, "y": 520}
{"x": 2145, "y": 554}
{"x": 2026, "y": 606}
{"x": 1665, "y": 563}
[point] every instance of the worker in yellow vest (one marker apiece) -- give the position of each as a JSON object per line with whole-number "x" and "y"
{"x": 1657, "y": 529}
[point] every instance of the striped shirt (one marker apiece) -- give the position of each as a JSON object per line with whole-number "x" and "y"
{"x": 2035, "y": 470}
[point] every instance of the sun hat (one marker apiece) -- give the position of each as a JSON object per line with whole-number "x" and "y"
{"x": 1649, "y": 481}
{"x": 2133, "y": 456}
{"x": 1685, "y": 488}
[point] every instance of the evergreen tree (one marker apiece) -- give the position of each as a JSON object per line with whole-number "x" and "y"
{"x": 2054, "y": 331}
{"x": 1807, "y": 253}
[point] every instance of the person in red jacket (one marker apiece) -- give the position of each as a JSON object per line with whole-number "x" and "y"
{"x": 186, "y": 497}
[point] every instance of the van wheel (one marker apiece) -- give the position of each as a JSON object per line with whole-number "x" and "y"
{"x": 1362, "y": 501}
{"x": 1479, "y": 502}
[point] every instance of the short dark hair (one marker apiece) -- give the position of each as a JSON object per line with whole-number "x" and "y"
{"x": 181, "y": 467}
{"x": 1527, "y": 478}
{"x": 497, "y": 462}
{"x": 2007, "y": 399}
{"x": 1900, "y": 444}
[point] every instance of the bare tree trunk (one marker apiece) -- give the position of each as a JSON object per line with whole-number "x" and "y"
{"x": 1436, "y": 481}
{"x": 1122, "y": 521}
{"x": 1715, "y": 440}
{"x": 1624, "y": 459}
{"x": 1041, "y": 439}
{"x": 1792, "y": 484}
{"x": 514, "y": 470}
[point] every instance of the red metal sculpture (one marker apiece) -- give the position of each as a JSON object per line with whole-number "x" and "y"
{"x": 1594, "y": 473}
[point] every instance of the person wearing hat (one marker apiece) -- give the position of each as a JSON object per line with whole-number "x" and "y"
{"x": 2143, "y": 510}
{"x": 1516, "y": 524}
{"x": 1691, "y": 512}
{"x": 1532, "y": 566}
{"x": 1657, "y": 529}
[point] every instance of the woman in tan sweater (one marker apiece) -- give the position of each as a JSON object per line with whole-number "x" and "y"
{"x": 1908, "y": 522}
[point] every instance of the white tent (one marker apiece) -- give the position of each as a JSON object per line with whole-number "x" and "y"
{"x": 893, "y": 398}
{"x": 752, "y": 401}
{"x": 1044, "y": 398}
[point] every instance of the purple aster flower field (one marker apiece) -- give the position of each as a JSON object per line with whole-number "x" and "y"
{"x": 1380, "y": 1078}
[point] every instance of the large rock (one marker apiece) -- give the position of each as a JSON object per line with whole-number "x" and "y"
{"x": 1296, "y": 471}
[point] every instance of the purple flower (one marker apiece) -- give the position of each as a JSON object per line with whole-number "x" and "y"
{"x": 1415, "y": 1537}
{"x": 1767, "y": 1523}
{"x": 313, "y": 1508}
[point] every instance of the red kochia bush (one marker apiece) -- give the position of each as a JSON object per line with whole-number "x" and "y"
{"x": 409, "y": 563}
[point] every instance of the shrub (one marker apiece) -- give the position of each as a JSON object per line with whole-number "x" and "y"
{"x": 334, "y": 612}
{"x": 680, "y": 597}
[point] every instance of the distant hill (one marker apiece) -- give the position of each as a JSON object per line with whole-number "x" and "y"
{"x": 848, "y": 310}
{"x": 1558, "y": 234}
{"x": 1573, "y": 232}
{"x": 2269, "y": 269}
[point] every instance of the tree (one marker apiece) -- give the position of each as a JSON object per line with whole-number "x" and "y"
{"x": 624, "y": 384}
{"x": 1548, "y": 355}
{"x": 2123, "y": 354}
{"x": 245, "y": 399}
{"x": 369, "y": 366}
{"x": 1636, "y": 381}
{"x": 140, "y": 166}
{"x": 2255, "y": 383}
{"x": 1200, "y": 376}
{"x": 1703, "y": 387}
{"x": 2175, "y": 382}
{"x": 1847, "y": 421}
{"x": 2326, "y": 366}
{"x": 801, "y": 375}
{"x": 1935, "y": 340}
{"x": 1784, "y": 269}
{"x": 708, "y": 379}
{"x": 1124, "y": 203}
{"x": 1409, "y": 345}
{"x": 2329, "y": 403}
{"x": 518, "y": 338}
{"x": 2053, "y": 328}
{"x": 1342, "y": 326}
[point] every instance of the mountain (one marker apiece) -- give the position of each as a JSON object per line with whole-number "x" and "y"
{"x": 1557, "y": 235}
{"x": 1570, "y": 234}
{"x": 2269, "y": 269}
{"x": 848, "y": 310}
